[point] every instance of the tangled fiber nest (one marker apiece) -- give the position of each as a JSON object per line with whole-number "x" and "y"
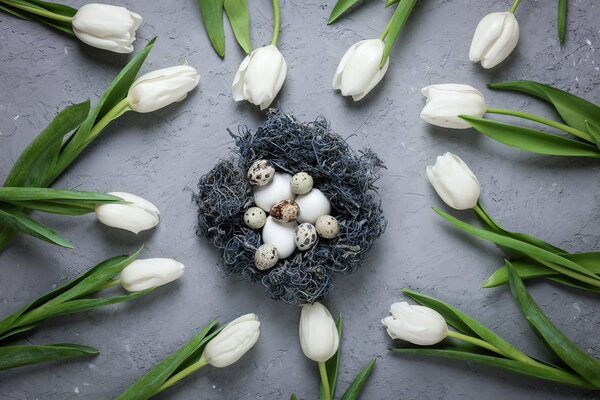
{"x": 345, "y": 177}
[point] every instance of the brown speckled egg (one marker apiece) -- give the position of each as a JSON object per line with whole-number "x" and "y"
{"x": 301, "y": 183}
{"x": 305, "y": 236}
{"x": 266, "y": 257}
{"x": 285, "y": 211}
{"x": 261, "y": 172}
{"x": 327, "y": 226}
{"x": 255, "y": 218}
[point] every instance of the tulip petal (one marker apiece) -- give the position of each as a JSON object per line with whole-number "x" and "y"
{"x": 505, "y": 43}
{"x": 237, "y": 87}
{"x": 361, "y": 66}
{"x": 486, "y": 33}
{"x": 374, "y": 81}
{"x": 337, "y": 77}
{"x": 454, "y": 182}
{"x": 445, "y": 102}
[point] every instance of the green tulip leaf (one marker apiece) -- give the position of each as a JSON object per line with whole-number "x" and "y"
{"x": 399, "y": 18}
{"x": 358, "y": 383}
{"x": 571, "y": 268}
{"x": 340, "y": 7}
{"x": 15, "y": 7}
{"x": 332, "y": 366}
{"x": 573, "y": 283}
{"x": 149, "y": 384}
{"x": 562, "y": 19}
{"x": 573, "y": 356}
{"x": 18, "y": 330}
{"x": 467, "y": 324}
{"x": 294, "y": 397}
{"x": 212, "y": 15}
{"x": 237, "y": 13}
{"x": 390, "y": 2}
{"x": 13, "y": 218}
{"x": 56, "y": 8}
{"x": 594, "y": 131}
{"x": 573, "y": 109}
{"x": 531, "y": 139}
{"x": 519, "y": 367}
{"x": 18, "y": 356}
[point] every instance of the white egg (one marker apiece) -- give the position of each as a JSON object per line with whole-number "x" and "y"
{"x": 280, "y": 235}
{"x": 277, "y": 190}
{"x": 312, "y": 205}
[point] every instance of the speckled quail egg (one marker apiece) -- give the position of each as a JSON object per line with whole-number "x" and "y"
{"x": 327, "y": 226}
{"x": 266, "y": 257}
{"x": 255, "y": 218}
{"x": 301, "y": 183}
{"x": 261, "y": 172}
{"x": 305, "y": 236}
{"x": 285, "y": 211}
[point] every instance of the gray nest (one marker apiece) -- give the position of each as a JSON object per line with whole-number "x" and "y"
{"x": 345, "y": 177}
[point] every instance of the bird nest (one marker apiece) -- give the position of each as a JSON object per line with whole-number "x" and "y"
{"x": 345, "y": 177}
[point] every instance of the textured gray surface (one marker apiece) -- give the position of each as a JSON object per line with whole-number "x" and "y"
{"x": 158, "y": 155}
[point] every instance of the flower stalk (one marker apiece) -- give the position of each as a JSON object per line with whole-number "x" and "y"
{"x": 325, "y": 380}
{"x": 276, "y": 22}
{"x": 38, "y": 11}
{"x": 183, "y": 373}
{"x": 514, "y": 6}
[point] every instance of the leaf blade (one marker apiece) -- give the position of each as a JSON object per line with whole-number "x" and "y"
{"x": 571, "y": 354}
{"x": 531, "y": 139}
{"x": 239, "y": 18}
{"x": 13, "y": 218}
{"x": 212, "y": 15}
{"x": 340, "y": 7}
{"x": 358, "y": 383}
{"x": 398, "y": 21}
{"x": 562, "y": 19}
{"x": 18, "y": 356}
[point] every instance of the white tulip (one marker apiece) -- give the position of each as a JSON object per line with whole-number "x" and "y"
{"x": 135, "y": 217}
{"x": 318, "y": 334}
{"x": 106, "y": 27}
{"x": 445, "y": 102}
{"x": 260, "y": 76}
{"x": 149, "y": 273}
{"x": 233, "y": 341}
{"x": 358, "y": 71}
{"x": 495, "y": 38}
{"x": 158, "y": 89}
{"x": 454, "y": 182}
{"x": 415, "y": 324}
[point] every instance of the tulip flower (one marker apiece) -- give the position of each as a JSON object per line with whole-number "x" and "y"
{"x": 318, "y": 334}
{"x": 416, "y": 324}
{"x": 135, "y": 217}
{"x": 260, "y": 76}
{"x": 145, "y": 274}
{"x": 233, "y": 341}
{"x": 158, "y": 89}
{"x": 106, "y": 27}
{"x": 454, "y": 182}
{"x": 359, "y": 69}
{"x": 445, "y": 102}
{"x": 495, "y": 38}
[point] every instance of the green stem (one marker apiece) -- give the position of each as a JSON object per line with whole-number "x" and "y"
{"x": 37, "y": 11}
{"x": 386, "y": 30}
{"x": 475, "y": 341}
{"x": 568, "y": 272}
{"x": 542, "y": 120}
{"x": 486, "y": 218}
{"x": 276, "y": 23}
{"x": 514, "y": 6}
{"x": 117, "y": 110}
{"x": 325, "y": 380}
{"x": 183, "y": 373}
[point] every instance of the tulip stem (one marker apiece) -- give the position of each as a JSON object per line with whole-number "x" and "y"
{"x": 486, "y": 218}
{"x": 183, "y": 373}
{"x": 386, "y": 30}
{"x": 325, "y": 380}
{"x": 276, "y": 23}
{"x": 120, "y": 108}
{"x": 37, "y": 11}
{"x": 475, "y": 341}
{"x": 568, "y": 272}
{"x": 514, "y": 6}
{"x": 545, "y": 121}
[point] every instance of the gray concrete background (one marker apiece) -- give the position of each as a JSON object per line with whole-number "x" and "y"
{"x": 161, "y": 154}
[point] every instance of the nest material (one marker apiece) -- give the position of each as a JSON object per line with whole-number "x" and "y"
{"x": 345, "y": 177}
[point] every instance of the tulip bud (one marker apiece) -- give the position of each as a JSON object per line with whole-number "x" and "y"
{"x": 454, "y": 182}
{"x": 318, "y": 334}
{"x": 158, "y": 89}
{"x": 149, "y": 273}
{"x": 260, "y": 76}
{"x": 495, "y": 38}
{"x": 135, "y": 217}
{"x": 415, "y": 324}
{"x": 445, "y": 102}
{"x": 358, "y": 71}
{"x": 233, "y": 341}
{"x": 106, "y": 27}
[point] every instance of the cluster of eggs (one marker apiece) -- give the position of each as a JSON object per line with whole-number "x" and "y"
{"x": 297, "y": 213}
